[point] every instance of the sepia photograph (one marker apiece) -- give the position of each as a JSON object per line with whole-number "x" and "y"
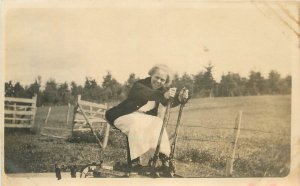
{"x": 172, "y": 92}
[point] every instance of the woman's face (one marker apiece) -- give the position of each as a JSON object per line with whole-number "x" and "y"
{"x": 158, "y": 79}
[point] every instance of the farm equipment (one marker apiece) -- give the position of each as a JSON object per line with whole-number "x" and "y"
{"x": 169, "y": 169}
{"x": 155, "y": 169}
{"x": 166, "y": 168}
{"x": 173, "y": 145}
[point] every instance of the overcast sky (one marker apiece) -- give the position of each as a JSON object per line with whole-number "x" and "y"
{"x": 71, "y": 44}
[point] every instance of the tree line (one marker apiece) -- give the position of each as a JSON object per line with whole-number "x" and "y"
{"x": 202, "y": 84}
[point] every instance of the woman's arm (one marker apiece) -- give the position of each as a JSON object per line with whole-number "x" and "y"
{"x": 141, "y": 91}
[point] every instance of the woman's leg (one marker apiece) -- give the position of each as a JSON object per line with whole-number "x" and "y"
{"x": 132, "y": 126}
{"x": 143, "y": 133}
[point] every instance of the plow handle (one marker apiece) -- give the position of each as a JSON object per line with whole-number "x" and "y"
{"x": 173, "y": 146}
{"x": 165, "y": 121}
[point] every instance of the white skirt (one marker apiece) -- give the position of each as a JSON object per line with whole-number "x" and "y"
{"x": 143, "y": 132}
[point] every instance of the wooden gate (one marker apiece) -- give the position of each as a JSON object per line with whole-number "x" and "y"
{"x": 95, "y": 115}
{"x": 19, "y": 112}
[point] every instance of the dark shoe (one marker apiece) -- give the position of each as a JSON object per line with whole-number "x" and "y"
{"x": 165, "y": 162}
{"x": 163, "y": 158}
{"x": 155, "y": 174}
{"x": 168, "y": 166}
{"x": 135, "y": 165}
{"x": 135, "y": 161}
{"x": 119, "y": 166}
{"x": 137, "y": 168}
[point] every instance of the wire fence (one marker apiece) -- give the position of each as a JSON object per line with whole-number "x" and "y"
{"x": 229, "y": 136}
{"x": 52, "y": 126}
{"x": 224, "y": 140}
{"x": 224, "y": 128}
{"x": 53, "y": 122}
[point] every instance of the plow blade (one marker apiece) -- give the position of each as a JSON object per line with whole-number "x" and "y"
{"x": 94, "y": 171}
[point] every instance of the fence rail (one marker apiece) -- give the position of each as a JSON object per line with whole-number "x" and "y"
{"x": 20, "y": 100}
{"x": 91, "y": 104}
{"x": 17, "y": 119}
{"x": 19, "y": 112}
{"x": 94, "y": 112}
{"x": 20, "y": 106}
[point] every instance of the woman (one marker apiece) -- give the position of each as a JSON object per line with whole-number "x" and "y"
{"x": 137, "y": 115}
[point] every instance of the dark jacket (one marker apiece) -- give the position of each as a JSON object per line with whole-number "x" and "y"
{"x": 139, "y": 95}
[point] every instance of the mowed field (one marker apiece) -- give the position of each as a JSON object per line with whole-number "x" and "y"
{"x": 263, "y": 148}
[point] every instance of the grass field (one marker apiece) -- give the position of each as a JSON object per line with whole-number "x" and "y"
{"x": 263, "y": 145}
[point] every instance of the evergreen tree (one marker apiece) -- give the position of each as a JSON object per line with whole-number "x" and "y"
{"x": 91, "y": 90}
{"x": 50, "y": 94}
{"x": 34, "y": 88}
{"x": 232, "y": 85}
{"x": 256, "y": 84}
{"x": 64, "y": 94}
{"x": 274, "y": 82}
{"x": 204, "y": 82}
{"x": 19, "y": 91}
{"x": 128, "y": 84}
{"x": 112, "y": 89}
{"x": 9, "y": 89}
{"x": 286, "y": 85}
{"x": 185, "y": 81}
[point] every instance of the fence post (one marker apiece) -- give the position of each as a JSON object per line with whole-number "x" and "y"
{"x": 106, "y": 135}
{"x": 230, "y": 160}
{"x": 46, "y": 121}
{"x": 48, "y": 114}
{"x": 14, "y": 115}
{"x": 68, "y": 113}
{"x": 35, "y": 109}
{"x": 75, "y": 111}
{"x": 91, "y": 111}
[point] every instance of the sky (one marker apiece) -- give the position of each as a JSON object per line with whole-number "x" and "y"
{"x": 70, "y": 44}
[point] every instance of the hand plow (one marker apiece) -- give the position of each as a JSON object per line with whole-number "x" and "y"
{"x": 154, "y": 169}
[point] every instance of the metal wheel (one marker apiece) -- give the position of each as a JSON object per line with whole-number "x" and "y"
{"x": 90, "y": 171}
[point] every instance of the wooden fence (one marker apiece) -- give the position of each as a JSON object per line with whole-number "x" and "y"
{"x": 90, "y": 116}
{"x": 19, "y": 112}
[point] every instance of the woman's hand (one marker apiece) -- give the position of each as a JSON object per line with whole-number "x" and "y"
{"x": 170, "y": 93}
{"x": 183, "y": 95}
